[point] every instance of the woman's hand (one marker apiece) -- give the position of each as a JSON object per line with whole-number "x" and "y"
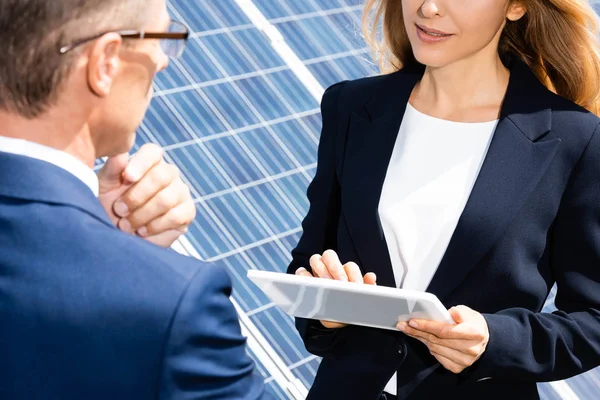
{"x": 456, "y": 347}
{"x": 329, "y": 266}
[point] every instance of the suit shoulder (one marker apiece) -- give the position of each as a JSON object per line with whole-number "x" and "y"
{"x": 573, "y": 123}
{"x": 567, "y": 110}
{"x": 352, "y": 94}
{"x": 92, "y": 241}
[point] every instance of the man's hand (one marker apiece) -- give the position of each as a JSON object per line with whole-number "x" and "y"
{"x": 456, "y": 347}
{"x": 146, "y": 196}
{"x": 329, "y": 266}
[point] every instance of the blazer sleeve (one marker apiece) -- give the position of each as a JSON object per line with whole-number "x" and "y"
{"x": 524, "y": 345}
{"x": 205, "y": 353}
{"x": 319, "y": 228}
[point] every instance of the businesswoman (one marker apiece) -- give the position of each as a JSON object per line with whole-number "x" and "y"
{"x": 472, "y": 171}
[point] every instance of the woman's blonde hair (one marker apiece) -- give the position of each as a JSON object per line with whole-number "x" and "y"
{"x": 557, "y": 39}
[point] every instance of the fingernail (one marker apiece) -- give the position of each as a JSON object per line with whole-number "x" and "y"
{"x": 183, "y": 229}
{"x": 121, "y": 209}
{"x": 401, "y": 326}
{"x": 413, "y": 324}
{"x": 143, "y": 231}
{"x": 125, "y": 226}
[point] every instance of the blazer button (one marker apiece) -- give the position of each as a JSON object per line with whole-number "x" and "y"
{"x": 400, "y": 349}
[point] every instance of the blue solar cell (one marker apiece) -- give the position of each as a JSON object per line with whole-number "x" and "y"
{"x": 204, "y": 15}
{"x": 163, "y": 126}
{"x": 279, "y": 331}
{"x": 292, "y": 92}
{"x": 195, "y": 66}
{"x": 274, "y": 391}
{"x": 255, "y": 46}
{"x": 264, "y": 99}
{"x": 547, "y": 393}
{"x": 266, "y": 149}
{"x": 306, "y": 372}
{"x": 231, "y": 105}
{"x": 273, "y": 206}
{"x": 297, "y": 37}
{"x": 208, "y": 239}
{"x": 303, "y": 145}
{"x": 202, "y": 173}
{"x": 235, "y": 162}
{"x": 174, "y": 76}
{"x": 240, "y": 218}
{"x": 226, "y": 12}
{"x": 224, "y": 49}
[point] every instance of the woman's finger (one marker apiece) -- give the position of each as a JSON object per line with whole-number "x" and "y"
{"x": 449, "y": 364}
{"x": 452, "y": 360}
{"x": 303, "y": 272}
{"x": 318, "y": 267}
{"x": 334, "y": 265}
{"x": 354, "y": 273}
{"x": 370, "y": 279}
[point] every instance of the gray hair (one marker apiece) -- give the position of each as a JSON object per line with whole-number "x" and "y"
{"x": 32, "y": 70}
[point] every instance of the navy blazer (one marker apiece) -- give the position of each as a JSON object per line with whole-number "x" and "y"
{"x": 532, "y": 220}
{"x": 89, "y": 312}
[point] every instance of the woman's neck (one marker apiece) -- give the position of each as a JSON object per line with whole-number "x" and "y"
{"x": 465, "y": 91}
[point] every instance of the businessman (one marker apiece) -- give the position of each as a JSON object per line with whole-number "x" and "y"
{"x": 88, "y": 311}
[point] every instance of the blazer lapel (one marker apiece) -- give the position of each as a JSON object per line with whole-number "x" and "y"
{"x": 516, "y": 161}
{"x": 371, "y": 138}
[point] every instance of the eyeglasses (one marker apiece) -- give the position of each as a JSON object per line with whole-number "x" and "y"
{"x": 172, "y": 42}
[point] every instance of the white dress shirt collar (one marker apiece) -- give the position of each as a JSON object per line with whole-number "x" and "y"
{"x": 56, "y": 157}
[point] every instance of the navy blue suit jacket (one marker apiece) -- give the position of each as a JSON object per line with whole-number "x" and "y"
{"x": 532, "y": 220}
{"x": 88, "y": 312}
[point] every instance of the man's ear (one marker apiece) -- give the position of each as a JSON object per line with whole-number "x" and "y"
{"x": 104, "y": 63}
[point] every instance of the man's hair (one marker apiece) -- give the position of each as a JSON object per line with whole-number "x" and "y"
{"x": 32, "y": 70}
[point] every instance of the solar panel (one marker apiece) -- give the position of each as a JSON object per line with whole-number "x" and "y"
{"x": 242, "y": 126}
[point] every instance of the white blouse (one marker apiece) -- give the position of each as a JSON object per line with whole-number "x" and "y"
{"x": 430, "y": 177}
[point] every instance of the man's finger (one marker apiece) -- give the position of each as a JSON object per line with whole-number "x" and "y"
{"x": 334, "y": 265}
{"x": 110, "y": 175}
{"x": 165, "y": 239}
{"x": 318, "y": 267}
{"x": 177, "y": 218}
{"x": 141, "y": 162}
{"x": 155, "y": 180}
{"x": 159, "y": 205}
{"x": 353, "y": 272}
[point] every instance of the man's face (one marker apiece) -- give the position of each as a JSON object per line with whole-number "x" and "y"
{"x": 122, "y": 111}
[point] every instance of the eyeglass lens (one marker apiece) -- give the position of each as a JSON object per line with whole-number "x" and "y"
{"x": 174, "y": 48}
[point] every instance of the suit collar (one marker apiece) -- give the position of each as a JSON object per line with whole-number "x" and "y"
{"x": 532, "y": 118}
{"x": 53, "y": 156}
{"x": 34, "y": 180}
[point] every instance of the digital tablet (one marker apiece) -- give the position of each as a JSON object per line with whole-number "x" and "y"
{"x": 350, "y": 303}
